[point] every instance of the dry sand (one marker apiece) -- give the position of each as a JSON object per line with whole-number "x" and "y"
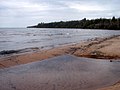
{"x": 112, "y": 87}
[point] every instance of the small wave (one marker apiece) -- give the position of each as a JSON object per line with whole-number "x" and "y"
{"x": 56, "y": 34}
{"x": 8, "y": 52}
{"x": 34, "y": 41}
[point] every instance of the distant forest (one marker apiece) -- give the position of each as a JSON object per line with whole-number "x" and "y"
{"x": 102, "y": 23}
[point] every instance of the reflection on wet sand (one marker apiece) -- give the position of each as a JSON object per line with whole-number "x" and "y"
{"x": 61, "y": 73}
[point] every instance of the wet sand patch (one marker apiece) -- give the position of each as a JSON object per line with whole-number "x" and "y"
{"x": 61, "y": 73}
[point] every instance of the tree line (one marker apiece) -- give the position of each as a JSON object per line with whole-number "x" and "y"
{"x": 101, "y": 23}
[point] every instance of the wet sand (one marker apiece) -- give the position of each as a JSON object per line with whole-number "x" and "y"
{"x": 61, "y": 73}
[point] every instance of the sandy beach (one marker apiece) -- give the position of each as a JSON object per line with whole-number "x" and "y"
{"x": 99, "y": 48}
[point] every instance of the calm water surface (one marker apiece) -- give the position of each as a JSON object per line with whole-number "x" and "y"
{"x": 20, "y": 38}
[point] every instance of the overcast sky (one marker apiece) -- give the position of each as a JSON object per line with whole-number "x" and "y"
{"x": 21, "y": 13}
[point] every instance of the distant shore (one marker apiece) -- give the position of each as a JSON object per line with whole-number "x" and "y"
{"x": 101, "y": 23}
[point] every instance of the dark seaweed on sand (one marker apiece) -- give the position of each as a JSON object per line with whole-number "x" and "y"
{"x": 8, "y": 52}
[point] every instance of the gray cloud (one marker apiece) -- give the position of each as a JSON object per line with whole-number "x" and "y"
{"x": 20, "y": 13}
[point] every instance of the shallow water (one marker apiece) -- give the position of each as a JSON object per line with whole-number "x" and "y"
{"x": 21, "y": 38}
{"x": 61, "y": 73}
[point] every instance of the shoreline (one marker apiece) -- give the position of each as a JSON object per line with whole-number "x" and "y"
{"x": 98, "y": 48}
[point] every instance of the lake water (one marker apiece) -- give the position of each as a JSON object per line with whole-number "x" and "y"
{"x": 20, "y": 38}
